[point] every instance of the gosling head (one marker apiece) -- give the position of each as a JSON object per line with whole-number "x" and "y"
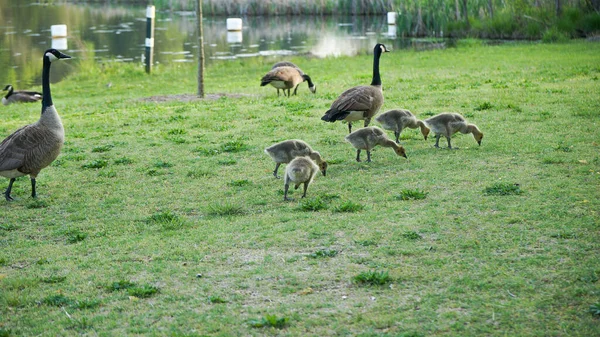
{"x": 478, "y": 135}
{"x": 425, "y": 131}
{"x": 400, "y": 151}
{"x": 323, "y": 168}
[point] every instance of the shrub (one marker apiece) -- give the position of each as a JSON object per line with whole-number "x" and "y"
{"x": 373, "y": 278}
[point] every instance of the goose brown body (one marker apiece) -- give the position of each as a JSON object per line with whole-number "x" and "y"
{"x": 20, "y": 96}
{"x": 286, "y": 151}
{"x": 35, "y": 146}
{"x": 369, "y": 137}
{"x": 360, "y": 102}
{"x": 446, "y": 124}
{"x": 397, "y": 120}
{"x": 301, "y": 170}
{"x": 287, "y": 77}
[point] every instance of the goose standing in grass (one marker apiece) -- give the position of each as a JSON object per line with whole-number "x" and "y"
{"x": 447, "y": 124}
{"x": 286, "y": 75}
{"x": 369, "y": 137}
{"x": 286, "y": 151}
{"x": 20, "y": 96}
{"x": 361, "y": 102}
{"x": 33, "y": 147}
{"x": 396, "y": 120}
{"x": 301, "y": 170}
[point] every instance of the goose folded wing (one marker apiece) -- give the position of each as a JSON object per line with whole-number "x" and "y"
{"x": 15, "y": 148}
{"x": 354, "y": 99}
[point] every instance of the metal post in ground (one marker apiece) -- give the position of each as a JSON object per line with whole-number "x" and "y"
{"x": 149, "y": 38}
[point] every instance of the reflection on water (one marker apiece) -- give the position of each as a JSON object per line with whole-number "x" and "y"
{"x": 117, "y": 33}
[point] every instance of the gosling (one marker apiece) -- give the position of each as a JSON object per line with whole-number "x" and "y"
{"x": 369, "y": 137}
{"x": 447, "y": 124}
{"x": 286, "y": 151}
{"x": 301, "y": 170}
{"x": 396, "y": 120}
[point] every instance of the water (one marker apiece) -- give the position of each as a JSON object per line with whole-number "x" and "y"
{"x": 111, "y": 33}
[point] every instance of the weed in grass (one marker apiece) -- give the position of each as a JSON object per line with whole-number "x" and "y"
{"x": 324, "y": 253}
{"x": 167, "y": 219}
{"x": 313, "y": 204}
{"x": 102, "y": 148}
{"x": 95, "y": 164}
{"x": 564, "y": 148}
{"x": 162, "y": 164}
{"x": 154, "y": 172}
{"x": 206, "y": 152}
{"x": 57, "y": 301}
{"x": 373, "y": 278}
{"x": 6, "y": 332}
{"x": 240, "y": 183}
{"x": 177, "y": 132}
{"x": 143, "y": 291}
{"x": 234, "y": 146}
{"x": 415, "y": 194}
{"x": 225, "y": 209}
{"x": 120, "y": 285}
{"x": 484, "y": 106}
{"x": 9, "y": 227}
{"x": 86, "y": 304}
{"x": 503, "y": 189}
{"x": 216, "y": 299}
{"x": 592, "y": 277}
{"x": 36, "y": 203}
{"x": 269, "y": 321}
{"x": 595, "y": 309}
{"x": 514, "y": 108}
{"x": 3, "y": 261}
{"x": 123, "y": 161}
{"x": 366, "y": 243}
{"x": 75, "y": 235}
{"x": 200, "y": 173}
{"x": 348, "y": 207}
{"x": 53, "y": 279}
{"x": 412, "y": 235}
{"x": 107, "y": 173}
{"x": 227, "y": 162}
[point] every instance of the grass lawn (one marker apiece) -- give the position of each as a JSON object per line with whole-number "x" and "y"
{"x": 162, "y": 217}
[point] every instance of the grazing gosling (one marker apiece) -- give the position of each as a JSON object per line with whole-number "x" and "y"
{"x": 396, "y": 120}
{"x": 33, "y": 147}
{"x": 369, "y": 137}
{"x": 286, "y": 151}
{"x": 301, "y": 170}
{"x": 447, "y": 124}
{"x": 20, "y": 96}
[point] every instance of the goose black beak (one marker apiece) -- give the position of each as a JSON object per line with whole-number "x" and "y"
{"x": 64, "y": 56}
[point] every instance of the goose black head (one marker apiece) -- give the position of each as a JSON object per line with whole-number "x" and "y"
{"x": 53, "y": 55}
{"x": 380, "y": 48}
{"x": 7, "y": 87}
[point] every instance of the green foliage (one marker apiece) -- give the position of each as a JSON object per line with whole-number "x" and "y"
{"x": 103, "y": 148}
{"x": 57, "y": 301}
{"x": 313, "y": 204}
{"x": 503, "y": 189}
{"x": 75, "y": 235}
{"x": 143, "y": 291}
{"x": 95, "y": 164}
{"x": 216, "y": 300}
{"x": 348, "y": 207}
{"x": 120, "y": 285}
{"x": 269, "y": 321}
{"x": 595, "y": 309}
{"x": 324, "y": 253}
{"x": 415, "y": 194}
{"x": 372, "y": 278}
{"x": 234, "y": 146}
{"x": 53, "y": 279}
{"x": 554, "y": 35}
{"x": 484, "y": 106}
{"x": 225, "y": 209}
{"x": 411, "y": 235}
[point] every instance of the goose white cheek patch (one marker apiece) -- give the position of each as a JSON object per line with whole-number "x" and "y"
{"x": 51, "y": 57}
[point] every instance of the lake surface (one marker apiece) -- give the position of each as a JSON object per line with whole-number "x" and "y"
{"x": 117, "y": 34}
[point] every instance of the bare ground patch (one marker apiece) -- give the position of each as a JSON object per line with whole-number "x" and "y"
{"x": 189, "y": 97}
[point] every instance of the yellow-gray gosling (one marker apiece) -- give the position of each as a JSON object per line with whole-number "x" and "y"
{"x": 286, "y": 151}
{"x": 301, "y": 170}
{"x": 286, "y": 77}
{"x": 361, "y": 102}
{"x": 20, "y": 96}
{"x": 369, "y": 137}
{"x": 396, "y": 120}
{"x": 446, "y": 124}
{"x": 33, "y": 147}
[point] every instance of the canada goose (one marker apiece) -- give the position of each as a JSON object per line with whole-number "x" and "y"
{"x": 301, "y": 170}
{"x": 361, "y": 102}
{"x": 286, "y": 151}
{"x": 287, "y": 77}
{"x": 31, "y": 148}
{"x": 447, "y": 124}
{"x": 396, "y": 120}
{"x": 20, "y": 96}
{"x": 369, "y": 137}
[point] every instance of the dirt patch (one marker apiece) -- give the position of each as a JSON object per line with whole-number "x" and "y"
{"x": 188, "y": 97}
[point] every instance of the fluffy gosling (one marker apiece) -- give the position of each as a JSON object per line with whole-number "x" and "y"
{"x": 301, "y": 170}
{"x": 396, "y": 120}
{"x": 369, "y": 137}
{"x": 447, "y": 124}
{"x": 286, "y": 151}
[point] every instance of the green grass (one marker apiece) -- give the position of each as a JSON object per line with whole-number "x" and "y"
{"x": 118, "y": 233}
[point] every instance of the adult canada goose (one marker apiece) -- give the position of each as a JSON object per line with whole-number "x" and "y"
{"x": 369, "y": 137}
{"x": 447, "y": 124}
{"x": 286, "y": 151}
{"x": 287, "y": 76}
{"x": 301, "y": 170}
{"x": 361, "y": 102}
{"x": 396, "y": 120}
{"x": 20, "y": 96}
{"x": 31, "y": 148}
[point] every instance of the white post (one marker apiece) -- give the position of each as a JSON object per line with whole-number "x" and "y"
{"x": 149, "y": 37}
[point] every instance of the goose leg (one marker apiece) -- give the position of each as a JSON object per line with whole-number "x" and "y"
{"x": 296, "y": 89}
{"x": 368, "y": 156}
{"x": 286, "y": 188}
{"x": 349, "y": 127}
{"x": 397, "y": 134}
{"x": 33, "y": 194}
{"x": 358, "y": 155}
{"x": 278, "y": 93}
{"x": 7, "y": 193}
{"x": 437, "y": 140}
{"x": 305, "y": 188}
{"x": 367, "y": 121}
{"x": 449, "y": 145}
{"x": 275, "y": 171}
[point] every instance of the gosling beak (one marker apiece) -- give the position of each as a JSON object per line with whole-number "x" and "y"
{"x": 324, "y": 173}
{"x": 479, "y": 142}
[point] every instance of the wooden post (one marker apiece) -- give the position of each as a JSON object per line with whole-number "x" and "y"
{"x": 200, "y": 49}
{"x": 149, "y": 38}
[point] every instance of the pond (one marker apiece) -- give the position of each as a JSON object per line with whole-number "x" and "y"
{"x": 113, "y": 33}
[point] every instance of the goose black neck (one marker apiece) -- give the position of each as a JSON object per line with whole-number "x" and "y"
{"x": 376, "y": 77}
{"x": 10, "y": 92}
{"x": 46, "y": 96}
{"x": 307, "y": 78}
